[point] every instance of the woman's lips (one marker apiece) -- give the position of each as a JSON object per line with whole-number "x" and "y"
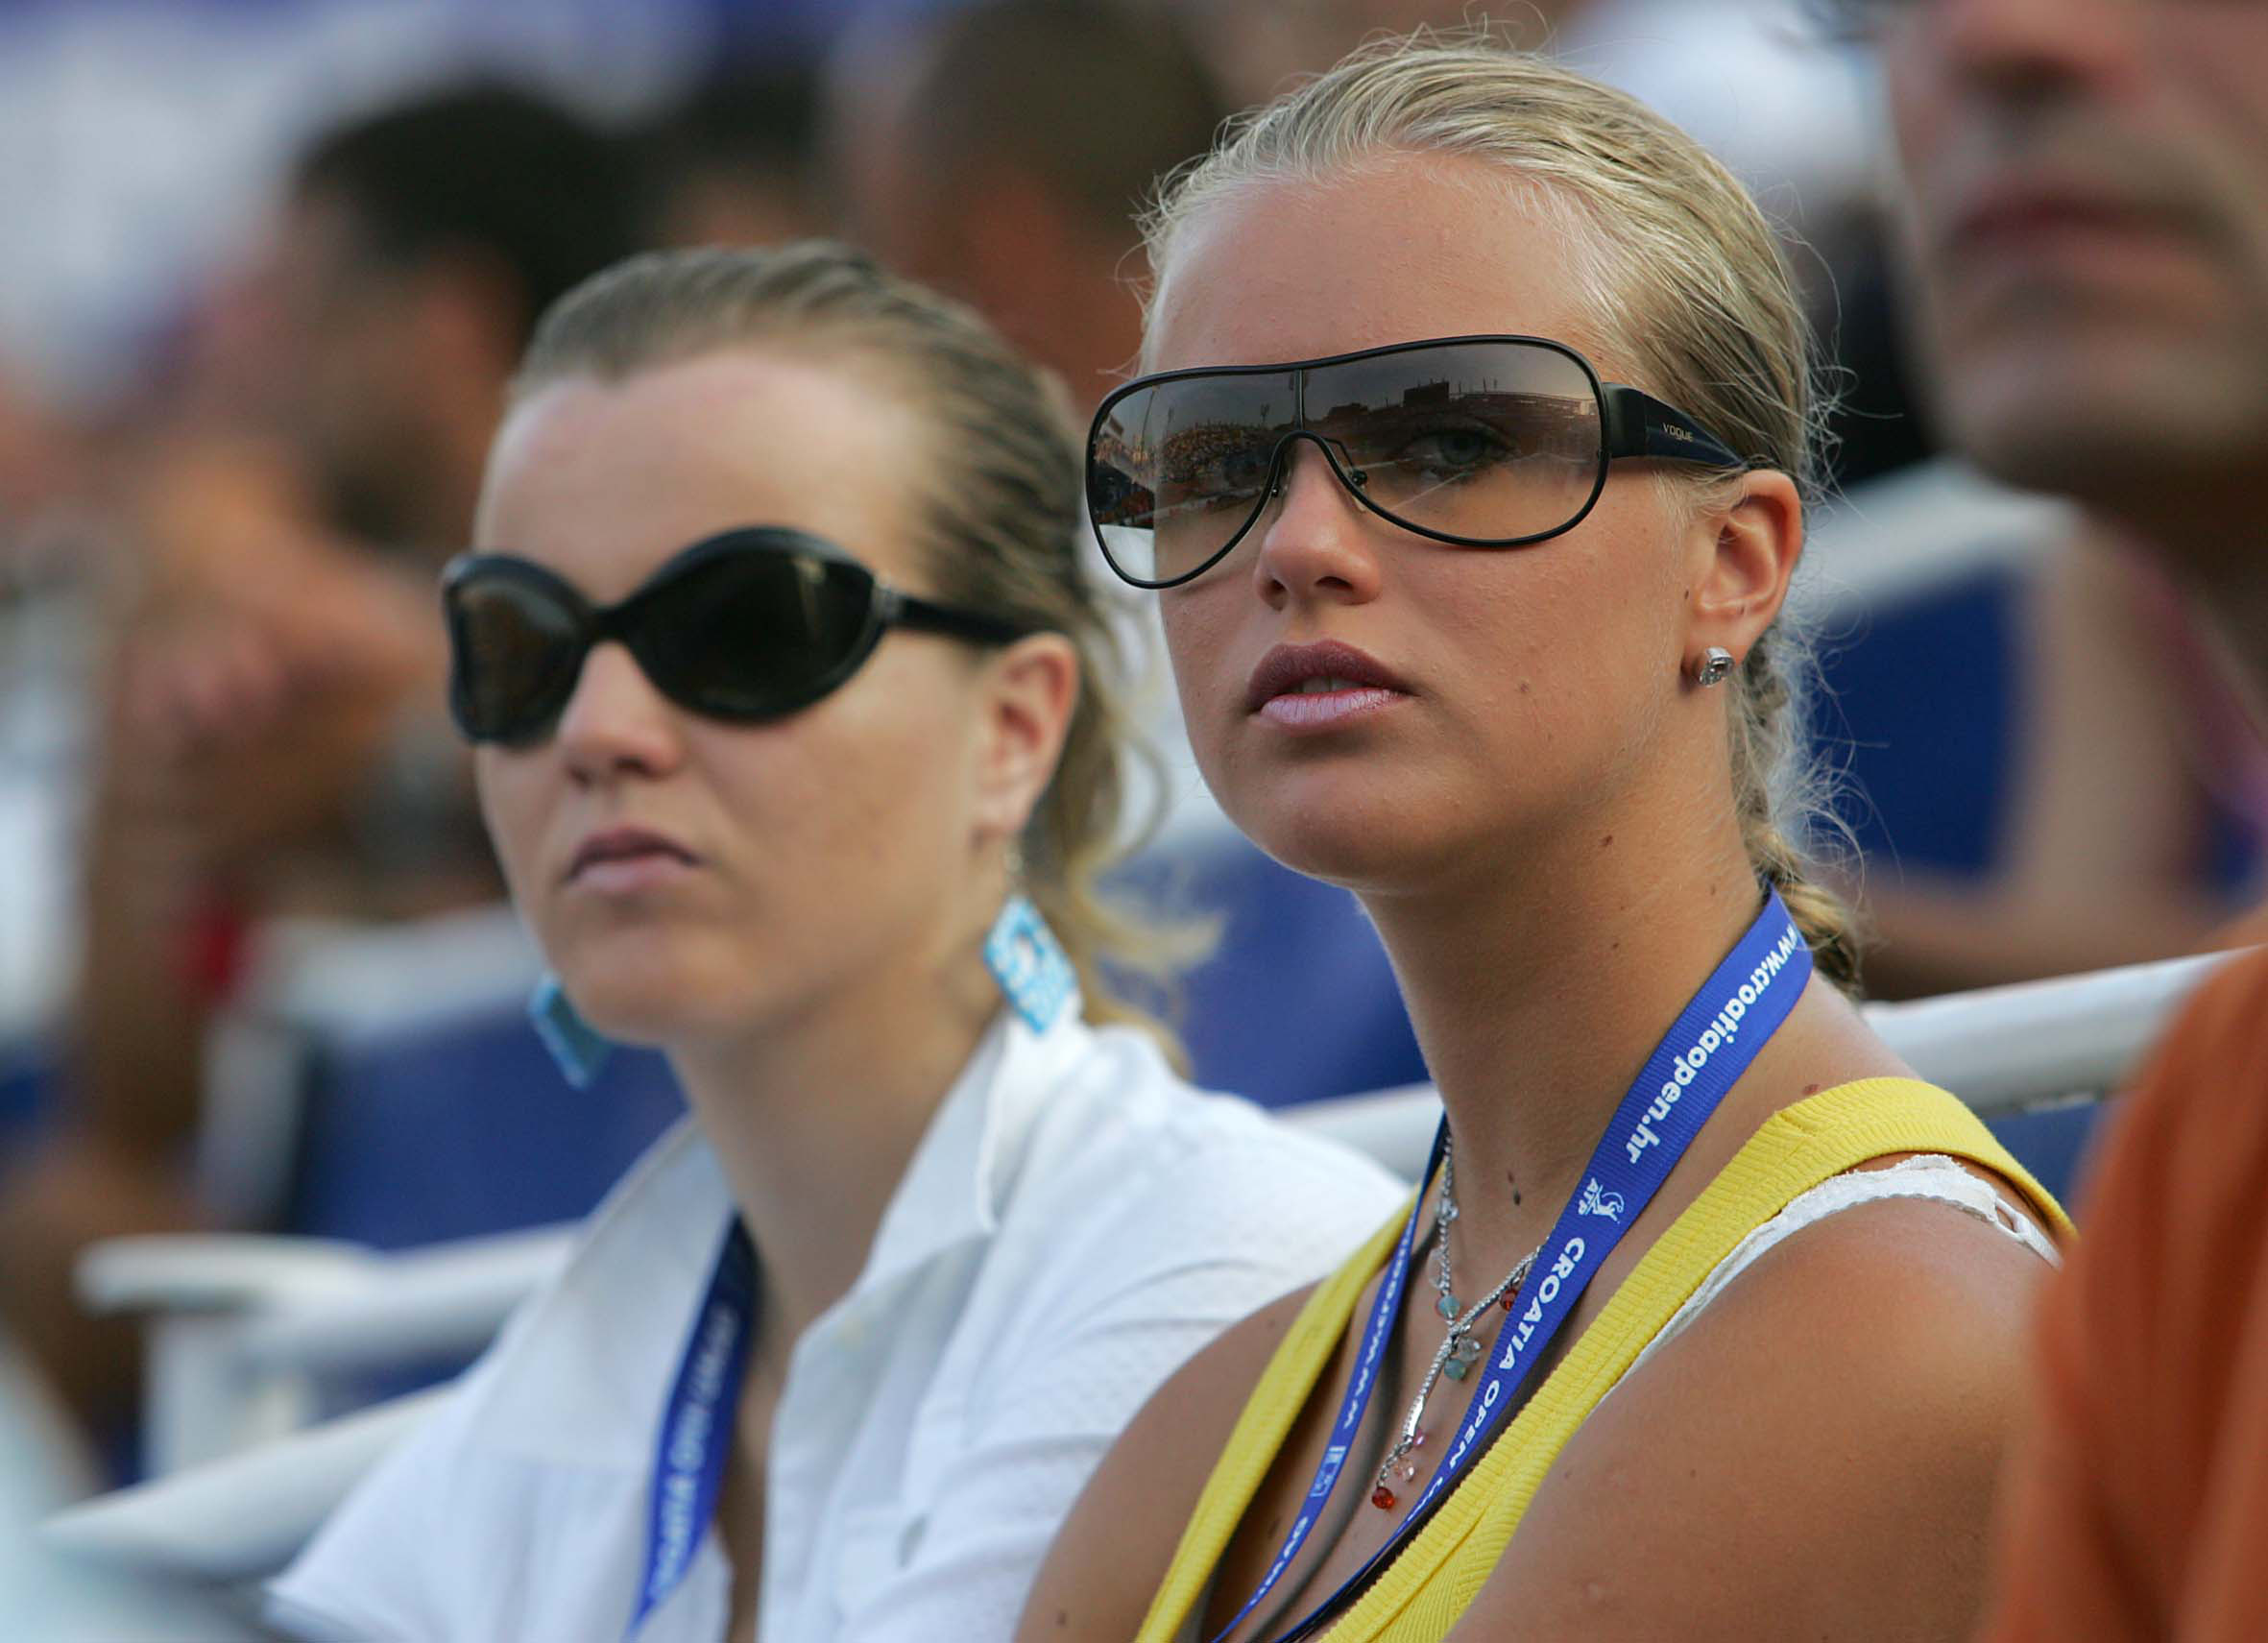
{"x": 1323, "y": 710}
{"x": 626, "y": 859}
{"x": 1320, "y": 686}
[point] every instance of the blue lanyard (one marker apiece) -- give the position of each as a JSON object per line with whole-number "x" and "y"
{"x": 696, "y": 1438}
{"x": 1704, "y": 1052}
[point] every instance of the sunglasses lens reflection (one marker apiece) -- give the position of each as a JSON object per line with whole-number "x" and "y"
{"x": 1488, "y": 441}
{"x": 517, "y": 650}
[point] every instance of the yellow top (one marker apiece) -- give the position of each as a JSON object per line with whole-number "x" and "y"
{"x": 1418, "y": 1597}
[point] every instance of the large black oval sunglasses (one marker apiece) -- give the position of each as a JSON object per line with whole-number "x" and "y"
{"x": 750, "y": 624}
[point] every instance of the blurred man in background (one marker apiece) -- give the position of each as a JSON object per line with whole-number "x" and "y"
{"x": 2089, "y": 209}
{"x": 735, "y": 161}
{"x": 418, "y": 249}
{"x": 999, "y": 150}
{"x": 269, "y": 730}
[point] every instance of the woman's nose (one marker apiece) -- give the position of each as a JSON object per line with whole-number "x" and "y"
{"x": 616, "y": 723}
{"x": 1315, "y": 540}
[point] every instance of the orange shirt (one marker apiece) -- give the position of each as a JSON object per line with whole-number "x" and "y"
{"x": 2140, "y": 1505}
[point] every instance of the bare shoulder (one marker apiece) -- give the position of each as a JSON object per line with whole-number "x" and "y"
{"x": 1113, "y": 1550}
{"x": 1821, "y": 1444}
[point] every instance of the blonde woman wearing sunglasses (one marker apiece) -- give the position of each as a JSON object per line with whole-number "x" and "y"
{"x": 1468, "y": 462}
{"x": 795, "y": 738}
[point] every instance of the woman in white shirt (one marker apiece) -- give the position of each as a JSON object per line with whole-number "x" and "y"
{"x": 794, "y": 743}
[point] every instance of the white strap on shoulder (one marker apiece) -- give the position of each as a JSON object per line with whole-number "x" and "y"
{"x": 1930, "y": 1176}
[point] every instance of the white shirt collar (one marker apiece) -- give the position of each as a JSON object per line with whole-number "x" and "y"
{"x": 608, "y": 1333}
{"x": 954, "y": 1189}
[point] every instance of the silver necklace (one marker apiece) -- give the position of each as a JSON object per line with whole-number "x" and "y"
{"x": 1459, "y": 1349}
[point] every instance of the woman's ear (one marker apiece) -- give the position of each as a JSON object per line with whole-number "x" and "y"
{"x": 1744, "y": 550}
{"x": 1032, "y": 691}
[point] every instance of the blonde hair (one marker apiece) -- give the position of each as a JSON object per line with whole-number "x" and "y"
{"x": 1672, "y": 262}
{"x": 996, "y": 502}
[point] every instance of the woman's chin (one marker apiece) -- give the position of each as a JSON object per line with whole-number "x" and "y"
{"x": 1336, "y": 850}
{"x": 1372, "y": 844}
{"x": 652, "y": 1002}
{"x": 620, "y": 1024}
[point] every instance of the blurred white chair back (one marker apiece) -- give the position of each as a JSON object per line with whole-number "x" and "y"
{"x": 49, "y": 1596}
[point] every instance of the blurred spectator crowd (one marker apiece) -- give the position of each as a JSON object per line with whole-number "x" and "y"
{"x": 220, "y": 666}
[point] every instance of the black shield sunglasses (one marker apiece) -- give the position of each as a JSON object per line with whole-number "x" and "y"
{"x": 747, "y": 625}
{"x": 1475, "y": 440}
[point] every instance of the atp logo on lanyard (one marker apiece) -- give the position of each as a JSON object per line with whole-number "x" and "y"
{"x": 1594, "y": 1202}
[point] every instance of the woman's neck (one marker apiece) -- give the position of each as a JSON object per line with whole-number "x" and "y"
{"x": 814, "y": 1122}
{"x": 1537, "y": 994}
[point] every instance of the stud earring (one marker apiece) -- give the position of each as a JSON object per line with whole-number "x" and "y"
{"x": 1714, "y": 666}
{"x": 580, "y": 1048}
